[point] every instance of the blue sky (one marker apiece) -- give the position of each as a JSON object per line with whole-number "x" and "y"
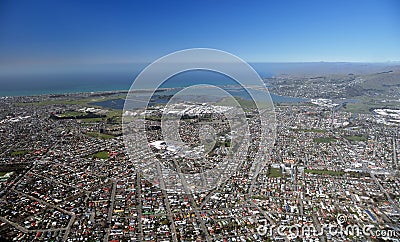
{"x": 95, "y": 32}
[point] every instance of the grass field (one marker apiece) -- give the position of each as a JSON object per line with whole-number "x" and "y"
{"x": 55, "y": 102}
{"x": 275, "y": 172}
{"x": 101, "y": 155}
{"x": 71, "y": 114}
{"x": 324, "y": 172}
{"x": 90, "y": 120}
{"x": 245, "y": 104}
{"x": 81, "y": 101}
{"x": 114, "y": 116}
{"x": 19, "y": 152}
{"x": 153, "y": 118}
{"x": 366, "y": 105}
{"x": 324, "y": 140}
{"x": 356, "y": 138}
{"x": 2, "y": 173}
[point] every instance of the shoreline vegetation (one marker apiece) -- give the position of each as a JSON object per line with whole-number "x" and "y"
{"x": 99, "y": 99}
{"x": 93, "y": 93}
{"x": 91, "y": 98}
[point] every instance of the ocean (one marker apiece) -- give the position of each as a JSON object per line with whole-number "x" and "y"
{"x": 58, "y": 79}
{"x": 97, "y": 80}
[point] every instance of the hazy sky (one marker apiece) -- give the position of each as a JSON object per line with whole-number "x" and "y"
{"x": 93, "y": 32}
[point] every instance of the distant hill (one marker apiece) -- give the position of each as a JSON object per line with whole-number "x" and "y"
{"x": 324, "y": 68}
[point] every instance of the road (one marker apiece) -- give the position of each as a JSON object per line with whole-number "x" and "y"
{"x": 139, "y": 206}
{"x": 396, "y": 165}
{"x": 394, "y": 206}
{"x": 110, "y": 210}
{"x": 167, "y": 204}
{"x": 196, "y": 209}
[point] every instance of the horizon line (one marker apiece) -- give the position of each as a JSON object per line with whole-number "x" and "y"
{"x": 31, "y": 64}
